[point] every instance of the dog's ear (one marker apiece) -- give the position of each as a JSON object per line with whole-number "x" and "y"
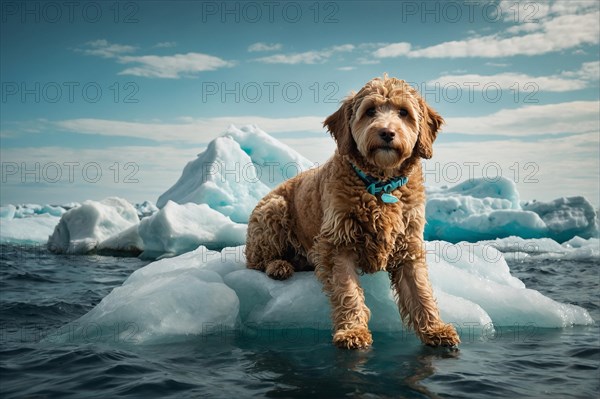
{"x": 430, "y": 125}
{"x": 338, "y": 125}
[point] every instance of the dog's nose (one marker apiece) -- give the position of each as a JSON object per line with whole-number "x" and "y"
{"x": 387, "y": 135}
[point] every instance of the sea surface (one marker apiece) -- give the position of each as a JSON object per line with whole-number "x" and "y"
{"x": 42, "y": 294}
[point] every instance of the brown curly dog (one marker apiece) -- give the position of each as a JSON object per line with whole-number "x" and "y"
{"x": 363, "y": 210}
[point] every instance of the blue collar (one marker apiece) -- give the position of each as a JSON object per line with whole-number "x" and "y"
{"x": 375, "y": 186}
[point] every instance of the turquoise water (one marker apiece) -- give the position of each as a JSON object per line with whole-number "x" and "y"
{"x": 41, "y": 293}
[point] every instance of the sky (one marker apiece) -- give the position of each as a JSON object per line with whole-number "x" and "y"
{"x": 106, "y": 98}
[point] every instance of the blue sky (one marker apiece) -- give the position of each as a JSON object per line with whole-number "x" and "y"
{"x": 104, "y": 98}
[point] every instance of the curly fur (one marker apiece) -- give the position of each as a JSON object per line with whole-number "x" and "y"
{"x": 324, "y": 219}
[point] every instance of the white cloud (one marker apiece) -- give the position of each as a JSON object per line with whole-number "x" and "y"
{"x": 264, "y": 47}
{"x": 102, "y": 48}
{"x": 571, "y": 6}
{"x": 510, "y": 80}
{"x": 8, "y": 133}
{"x": 563, "y": 82}
{"x": 346, "y": 68}
{"x": 165, "y": 44}
{"x": 172, "y": 66}
{"x": 155, "y": 66}
{"x": 568, "y": 117}
{"x": 567, "y": 28}
{"x": 497, "y": 64}
{"x": 367, "y": 61}
{"x": 342, "y": 48}
{"x": 393, "y": 50}
{"x": 307, "y": 57}
{"x": 189, "y": 130}
{"x": 589, "y": 71}
{"x": 529, "y": 14}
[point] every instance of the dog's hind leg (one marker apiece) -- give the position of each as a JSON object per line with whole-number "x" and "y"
{"x": 268, "y": 238}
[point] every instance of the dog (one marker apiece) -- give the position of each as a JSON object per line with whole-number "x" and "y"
{"x": 361, "y": 211}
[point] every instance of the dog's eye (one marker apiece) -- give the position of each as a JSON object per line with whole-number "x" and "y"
{"x": 403, "y": 112}
{"x": 370, "y": 112}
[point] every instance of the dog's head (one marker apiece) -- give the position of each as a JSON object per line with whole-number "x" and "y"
{"x": 385, "y": 123}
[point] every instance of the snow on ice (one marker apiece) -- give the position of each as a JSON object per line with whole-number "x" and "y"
{"x": 235, "y": 172}
{"x": 203, "y": 292}
{"x": 480, "y": 209}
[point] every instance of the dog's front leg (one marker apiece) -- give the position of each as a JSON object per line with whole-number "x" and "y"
{"x": 417, "y": 305}
{"x": 350, "y": 315}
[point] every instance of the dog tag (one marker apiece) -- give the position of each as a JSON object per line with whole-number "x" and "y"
{"x": 389, "y": 198}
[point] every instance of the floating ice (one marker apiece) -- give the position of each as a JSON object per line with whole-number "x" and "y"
{"x": 146, "y": 209}
{"x": 208, "y": 181}
{"x": 530, "y": 246}
{"x": 501, "y": 189}
{"x": 112, "y": 226}
{"x": 275, "y": 162}
{"x": 177, "y": 229}
{"x": 478, "y": 273}
{"x": 169, "y": 298}
{"x": 204, "y": 291}
{"x": 566, "y": 217}
{"x": 126, "y": 242}
{"x": 518, "y": 248}
{"x": 28, "y": 224}
{"x": 27, "y": 210}
{"x": 581, "y": 249}
{"x": 235, "y": 172}
{"x": 82, "y": 229}
{"x": 8, "y": 212}
{"x": 27, "y": 231}
{"x": 51, "y": 210}
{"x": 480, "y": 209}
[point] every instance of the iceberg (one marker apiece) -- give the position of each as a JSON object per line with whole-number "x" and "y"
{"x": 580, "y": 249}
{"x": 167, "y": 298}
{"x": 27, "y": 231}
{"x": 519, "y": 249}
{"x": 566, "y": 218}
{"x": 235, "y": 172}
{"x": 82, "y": 229}
{"x": 8, "y": 212}
{"x": 27, "y": 210}
{"x": 28, "y": 224}
{"x": 211, "y": 201}
{"x": 177, "y": 229}
{"x": 480, "y": 209}
{"x": 112, "y": 226}
{"x": 205, "y": 292}
{"x": 145, "y": 209}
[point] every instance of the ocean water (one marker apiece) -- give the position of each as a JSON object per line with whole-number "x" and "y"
{"x": 41, "y": 293}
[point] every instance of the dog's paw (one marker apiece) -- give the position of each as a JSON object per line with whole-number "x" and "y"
{"x": 443, "y": 335}
{"x": 279, "y": 270}
{"x": 355, "y": 338}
